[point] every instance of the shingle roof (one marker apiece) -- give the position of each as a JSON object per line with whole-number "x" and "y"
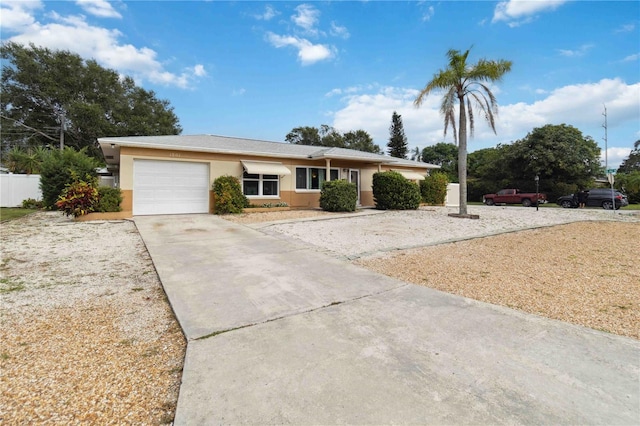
{"x": 231, "y": 145}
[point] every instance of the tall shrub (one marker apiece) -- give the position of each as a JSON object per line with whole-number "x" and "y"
{"x": 392, "y": 191}
{"x": 434, "y": 189}
{"x": 228, "y": 195}
{"x": 339, "y": 196}
{"x": 58, "y": 171}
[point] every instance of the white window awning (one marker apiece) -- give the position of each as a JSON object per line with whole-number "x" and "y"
{"x": 265, "y": 168}
{"x": 411, "y": 175}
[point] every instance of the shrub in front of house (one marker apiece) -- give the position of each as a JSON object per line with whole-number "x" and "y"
{"x": 392, "y": 191}
{"x": 32, "y": 204}
{"x": 109, "y": 200}
{"x": 228, "y": 195}
{"x": 433, "y": 189}
{"x": 338, "y": 196}
{"x": 60, "y": 168}
{"x": 78, "y": 198}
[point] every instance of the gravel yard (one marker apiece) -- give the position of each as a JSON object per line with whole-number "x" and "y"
{"x": 87, "y": 334}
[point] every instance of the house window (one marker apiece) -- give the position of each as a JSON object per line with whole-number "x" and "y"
{"x": 254, "y": 185}
{"x": 313, "y": 177}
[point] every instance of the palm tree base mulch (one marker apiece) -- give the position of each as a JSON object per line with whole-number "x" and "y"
{"x": 465, "y": 216}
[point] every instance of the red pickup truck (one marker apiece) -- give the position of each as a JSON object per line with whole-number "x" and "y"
{"x": 514, "y": 196}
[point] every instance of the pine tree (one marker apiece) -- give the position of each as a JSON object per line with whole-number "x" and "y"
{"x": 397, "y": 141}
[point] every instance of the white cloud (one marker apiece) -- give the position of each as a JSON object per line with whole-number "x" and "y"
{"x": 339, "y": 31}
{"x": 579, "y": 105}
{"x": 627, "y": 28}
{"x": 581, "y": 51}
{"x": 268, "y": 14}
{"x": 101, "y": 8}
{"x": 518, "y": 12}
{"x": 631, "y": 58}
{"x": 18, "y": 15}
{"x": 73, "y": 33}
{"x": 306, "y": 17}
{"x": 615, "y": 157}
{"x": 426, "y": 16}
{"x": 308, "y": 53}
{"x": 199, "y": 71}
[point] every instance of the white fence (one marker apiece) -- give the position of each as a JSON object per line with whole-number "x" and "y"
{"x": 16, "y": 188}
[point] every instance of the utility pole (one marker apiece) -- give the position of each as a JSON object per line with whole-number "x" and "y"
{"x": 62, "y": 131}
{"x": 606, "y": 153}
{"x": 609, "y": 173}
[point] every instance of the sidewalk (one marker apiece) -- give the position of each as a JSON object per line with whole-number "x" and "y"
{"x": 281, "y": 333}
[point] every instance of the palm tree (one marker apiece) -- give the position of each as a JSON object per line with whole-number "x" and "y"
{"x": 465, "y": 83}
{"x": 416, "y": 154}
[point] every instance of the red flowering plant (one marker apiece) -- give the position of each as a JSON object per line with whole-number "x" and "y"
{"x": 79, "y": 197}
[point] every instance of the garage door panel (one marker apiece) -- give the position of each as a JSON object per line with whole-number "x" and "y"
{"x": 170, "y": 187}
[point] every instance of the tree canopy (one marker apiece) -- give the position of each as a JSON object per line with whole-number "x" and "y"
{"x": 632, "y": 162}
{"x": 45, "y": 90}
{"x": 444, "y": 155}
{"x": 397, "y": 146}
{"x": 464, "y": 85}
{"x": 556, "y": 152}
{"x": 330, "y": 137}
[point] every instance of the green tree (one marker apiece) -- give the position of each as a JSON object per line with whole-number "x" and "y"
{"x": 632, "y": 162}
{"x": 557, "y": 154}
{"x": 464, "y": 85}
{"x": 61, "y": 168}
{"x": 44, "y": 91}
{"x": 487, "y": 171}
{"x": 304, "y": 136}
{"x": 397, "y": 146}
{"x": 361, "y": 141}
{"x": 444, "y": 155}
{"x": 629, "y": 183}
{"x": 330, "y": 137}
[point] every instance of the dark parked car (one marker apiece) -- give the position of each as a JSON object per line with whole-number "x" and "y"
{"x": 598, "y": 197}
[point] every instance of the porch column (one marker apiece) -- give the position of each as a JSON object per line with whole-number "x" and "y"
{"x": 328, "y": 167}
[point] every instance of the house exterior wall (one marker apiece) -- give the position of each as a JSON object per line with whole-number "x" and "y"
{"x": 229, "y": 164}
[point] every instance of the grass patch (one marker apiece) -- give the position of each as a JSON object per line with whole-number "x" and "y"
{"x": 10, "y": 213}
{"x": 631, "y": 207}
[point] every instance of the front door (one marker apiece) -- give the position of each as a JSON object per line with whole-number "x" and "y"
{"x": 354, "y": 177}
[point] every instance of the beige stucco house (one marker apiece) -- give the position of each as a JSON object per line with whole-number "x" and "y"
{"x": 174, "y": 174}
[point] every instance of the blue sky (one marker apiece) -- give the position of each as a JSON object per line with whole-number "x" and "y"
{"x": 259, "y": 69}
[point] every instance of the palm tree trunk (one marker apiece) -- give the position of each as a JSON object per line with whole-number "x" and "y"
{"x": 462, "y": 155}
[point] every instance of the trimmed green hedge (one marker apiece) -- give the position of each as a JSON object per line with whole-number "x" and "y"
{"x": 339, "y": 196}
{"x": 392, "y": 191}
{"x": 434, "y": 189}
{"x": 109, "y": 199}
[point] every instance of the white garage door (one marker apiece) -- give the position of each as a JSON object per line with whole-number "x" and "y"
{"x": 170, "y": 187}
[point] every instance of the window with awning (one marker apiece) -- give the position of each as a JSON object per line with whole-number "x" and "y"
{"x": 265, "y": 168}
{"x": 410, "y": 175}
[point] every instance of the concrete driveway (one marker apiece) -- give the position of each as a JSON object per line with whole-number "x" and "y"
{"x": 279, "y": 332}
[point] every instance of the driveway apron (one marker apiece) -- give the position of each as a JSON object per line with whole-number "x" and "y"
{"x": 279, "y": 332}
